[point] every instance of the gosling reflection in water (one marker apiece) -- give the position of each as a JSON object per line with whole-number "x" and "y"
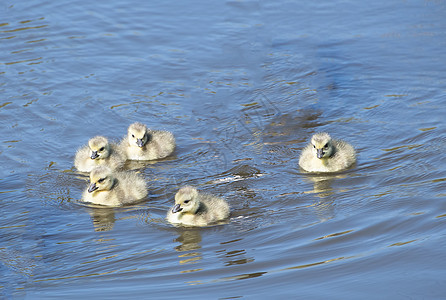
{"x": 321, "y": 185}
{"x": 190, "y": 239}
{"x": 103, "y": 218}
{"x": 190, "y": 242}
{"x": 322, "y": 188}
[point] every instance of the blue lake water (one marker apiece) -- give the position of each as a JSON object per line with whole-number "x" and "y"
{"x": 243, "y": 85}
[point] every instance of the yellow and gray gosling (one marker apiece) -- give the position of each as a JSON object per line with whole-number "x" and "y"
{"x": 99, "y": 152}
{"x": 114, "y": 188}
{"x": 193, "y": 208}
{"x": 325, "y": 154}
{"x": 142, "y": 143}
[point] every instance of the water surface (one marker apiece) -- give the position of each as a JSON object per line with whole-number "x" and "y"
{"x": 243, "y": 85}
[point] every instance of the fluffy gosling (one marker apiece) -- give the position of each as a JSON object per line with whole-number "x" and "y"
{"x": 193, "y": 208}
{"x": 114, "y": 188}
{"x": 99, "y": 152}
{"x": 324, "y": 154}
{"x": 142, "y": 143}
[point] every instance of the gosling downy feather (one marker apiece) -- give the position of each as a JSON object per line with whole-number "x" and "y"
{"x": 193, "y": 208}
{"x": 114, "y": 188}
{"x": 324, "y": 154}
{"x": 142, "y": 143}
{"x": 99, "y": 152}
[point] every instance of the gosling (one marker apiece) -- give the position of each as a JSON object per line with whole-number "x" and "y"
{"x": 193, "y": 208}
{"x": 324, "y": 154}
{"x": 99, "y": 152}
{"x": 142, "y": 143}
{"x": 114, "y": 188}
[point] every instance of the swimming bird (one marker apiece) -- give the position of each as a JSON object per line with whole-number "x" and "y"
{"x": 324, "y": 154}
{"x": 99, "y": 152}
{"x": 142, "y": 143}
{"x": 193, "y": 208}
{"x": 114, "y": 188}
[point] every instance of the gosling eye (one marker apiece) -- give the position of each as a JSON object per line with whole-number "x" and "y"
{"x": 326, "y": 145}
{"x": 186, "y": 201}
{"x": 314, "y": 146}
{"x": 133, "y": 135}
{"x": 101, "y": 180}
{"x": 102, "y": 149}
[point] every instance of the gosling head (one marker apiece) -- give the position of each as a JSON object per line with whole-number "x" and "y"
{"x": 137, "y": 134}
{"x": 101, "y": 179}
{"x": 100, "y": 148}
{"x": 186, "y": 200}
{"x": 322, "y": 145}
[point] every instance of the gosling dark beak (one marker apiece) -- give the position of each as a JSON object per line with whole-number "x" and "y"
{"x": 176, "y": 208}
{"x": 139, "y": 142}
{"x": 94, "y": 154}
{"x": 92, "y": 187}
{"x": 320, "y": 153}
